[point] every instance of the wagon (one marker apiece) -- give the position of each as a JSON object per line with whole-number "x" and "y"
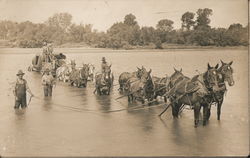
{"x": 39, "y": 64}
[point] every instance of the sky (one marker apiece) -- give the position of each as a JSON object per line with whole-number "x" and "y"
{"x": 103, "y": 13}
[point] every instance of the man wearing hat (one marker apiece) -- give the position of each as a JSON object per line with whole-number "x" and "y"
{"x": 45, "y": 48}
{"x": 104, "y": 64}
{"x": 73, "y": 64}
{"x": 20, "y": 89}
{"x": 48, "y": 81}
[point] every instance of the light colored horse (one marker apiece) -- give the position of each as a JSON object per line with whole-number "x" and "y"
{"x": 63, "y": 72}
{"x": 91, "y": 72}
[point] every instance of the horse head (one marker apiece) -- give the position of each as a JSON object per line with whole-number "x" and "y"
{"x": 107, "y": 72}
{"x": 227, "y": 72}
{"x": 138, "y": 72}
{"x": 85, "y": 70}
{"x": 175, "y": 76}
{"x": 145, "y": 76}
{"x": 211, "y": 76}
{"x": 91, "y": 69}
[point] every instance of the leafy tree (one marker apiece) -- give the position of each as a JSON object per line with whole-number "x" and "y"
{"x": 163, "y": 29}
{"x": 165, "y": 25}
{"x": 79, "y": 33}
{"x": 147, "y": 35}
{"x": 203, "y": 17}
{"x": 60, "y": 21}
{"x": 237, "y": 35}
{"x": 187, "y": 20}
{"x": 130, "y": 20}
{"x": 127, "y": 34}
{"x": 202, "y": 36}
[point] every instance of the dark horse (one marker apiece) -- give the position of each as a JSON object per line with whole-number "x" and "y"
{"x": 125, "y": 76}
{"x": 225, "y": 74}
{"x": 191, "y": 92}
{"x": 79, "y": 77}
{"x": 140, "y": 89}
{"x": 104, "y": 81}
{"x": 162, "y": 85}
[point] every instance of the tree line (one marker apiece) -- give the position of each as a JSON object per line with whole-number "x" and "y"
{"x": 59, "y": 29}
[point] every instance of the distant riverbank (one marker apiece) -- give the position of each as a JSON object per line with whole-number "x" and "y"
{"x": 89, "y": 50}
{"x": 165, "y": 46}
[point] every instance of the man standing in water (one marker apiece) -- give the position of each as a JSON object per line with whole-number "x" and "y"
{"x": 20, "y": 89}
{"x": 48, "y": 81}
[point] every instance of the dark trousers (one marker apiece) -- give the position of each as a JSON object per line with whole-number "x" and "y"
{"x": 47, "y": 90}
{"x": 20, "y": 101}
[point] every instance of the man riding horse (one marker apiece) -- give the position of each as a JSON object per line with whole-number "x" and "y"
{"x": 104, "y": 64}
{"x": 105, "y": 79}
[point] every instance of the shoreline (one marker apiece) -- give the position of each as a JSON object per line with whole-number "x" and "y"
{"x": 100, "y": 50}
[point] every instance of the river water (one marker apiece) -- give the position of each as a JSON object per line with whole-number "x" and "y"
{"x": 76, "y": 122}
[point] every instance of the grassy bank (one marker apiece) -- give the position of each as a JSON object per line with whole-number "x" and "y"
{"x": 8, "y": 44}
{"x": 150, "y": 47}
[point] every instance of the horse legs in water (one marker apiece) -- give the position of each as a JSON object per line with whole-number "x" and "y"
{"x": 175, "y": 109}
{"x": 208, "y": 112}
{"x": 120, "y": 89}
{"x": 71, "y": 83}
{"x": 197, "y": 108}
{"x": 130, "y": 98}
{"x": 142, "y": 100}
{"x": 219, "y": 104}
{"x": 98, "y": 90}
{"x": 205, "y": 114}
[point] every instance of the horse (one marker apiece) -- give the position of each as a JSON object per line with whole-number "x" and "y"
{"x": 79, "y": 77}
{"x": 140, "y": 89}
{"x": 125, "y": 76}
{"x": 104, "y": 81}
{"x": 172, "y": 86}
{"x": 63, "y": 72}
{"x": 225, "y": 74}
{"x": 84, "y": 75}
{"x": 192, "y": 92}
{"x": 160, "y": 85}
{"x": 91, "y": 72}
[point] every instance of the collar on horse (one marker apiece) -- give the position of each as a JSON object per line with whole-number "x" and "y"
{"x": 207, "y": 83}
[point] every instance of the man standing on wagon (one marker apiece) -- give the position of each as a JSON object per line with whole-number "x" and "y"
{"x": 20, "y": 89}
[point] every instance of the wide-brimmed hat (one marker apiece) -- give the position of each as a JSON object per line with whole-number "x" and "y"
{"x": 103, "y": 59}
{"x": 20, "y": 72}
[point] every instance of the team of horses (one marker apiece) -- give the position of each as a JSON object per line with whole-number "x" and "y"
{"x": 177, "y": 90}
{"x": 201, "y": 90}
{"x": 66, "y": 71}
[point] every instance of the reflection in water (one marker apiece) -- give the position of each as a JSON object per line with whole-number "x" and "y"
{"x": 177, "y": 132}
{"x": 47, "y": 103}
{"x": 104, "y": 102}
{"x": 20, "y": 113}
{"x": 84, "y": 96}
{"x": 146, "y": 122}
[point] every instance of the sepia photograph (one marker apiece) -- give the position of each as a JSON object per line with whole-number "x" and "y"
{"x": 124, "y": 78}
